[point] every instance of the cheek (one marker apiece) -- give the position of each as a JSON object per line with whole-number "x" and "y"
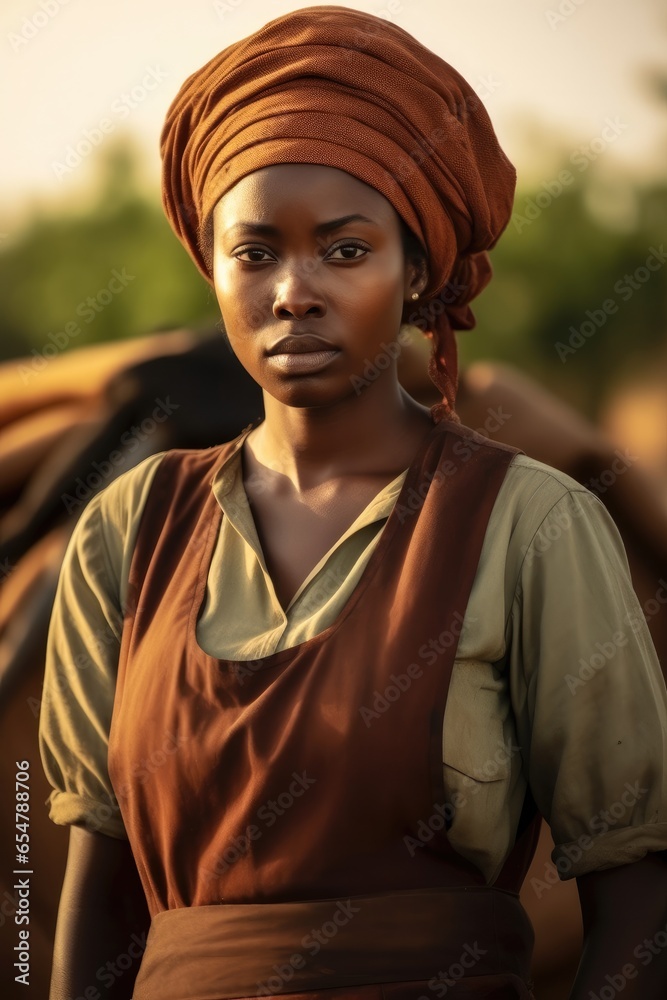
{"x": 381, "y": 291}
{"x": 237, "y": 306}
{"x": 223, "y": 277}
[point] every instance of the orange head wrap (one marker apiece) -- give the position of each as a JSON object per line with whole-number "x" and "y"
{"x": 339, "y": 87}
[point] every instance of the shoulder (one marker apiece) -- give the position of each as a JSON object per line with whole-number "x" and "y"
{"x": 107, "y": 531}
{"x": 531, "y": 489}
{"x": 114, "y": 509}
{"x": 544, "y": 520}
{"x": 528, "y": 483}
{"x": 100, "y": 549}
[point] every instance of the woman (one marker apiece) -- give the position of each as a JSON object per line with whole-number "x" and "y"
{"x": 329, "y": 671}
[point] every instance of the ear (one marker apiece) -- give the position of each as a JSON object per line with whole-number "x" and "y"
{"x": 416, "y": 278}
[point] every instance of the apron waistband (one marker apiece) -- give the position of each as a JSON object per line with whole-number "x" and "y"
{"x": 445, "y": 935}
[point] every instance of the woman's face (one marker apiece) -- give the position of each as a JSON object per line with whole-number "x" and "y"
{"x": 304, "y": 250}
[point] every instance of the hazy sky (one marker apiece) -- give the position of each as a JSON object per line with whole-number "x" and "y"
{"x": 576, "y": 65}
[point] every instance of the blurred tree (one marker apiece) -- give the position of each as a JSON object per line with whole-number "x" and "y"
{"x": 573, "y": 300}
{"x": 110, "y": 268}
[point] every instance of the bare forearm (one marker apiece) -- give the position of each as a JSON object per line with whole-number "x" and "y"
{"x": 625, "y": 932}
{"x": 102, "y": 922}
{"x": 96, "y": 956}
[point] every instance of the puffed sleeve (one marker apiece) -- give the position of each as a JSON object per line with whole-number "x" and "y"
{"x": 82, "y": 655}
{"x": 588, "y": 693}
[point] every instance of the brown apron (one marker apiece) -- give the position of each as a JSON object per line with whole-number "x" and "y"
{"x": 288, "y": 814}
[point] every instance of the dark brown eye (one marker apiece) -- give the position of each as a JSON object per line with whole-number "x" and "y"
{"x": 253, "y": 260}
{"x": 348, "y": 251}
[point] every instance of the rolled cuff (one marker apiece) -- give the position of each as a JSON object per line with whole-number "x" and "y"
{"x": 612, "y": 849}
{"x": 67, "y": 808}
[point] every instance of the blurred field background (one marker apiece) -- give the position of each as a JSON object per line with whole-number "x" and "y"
{"x": 577, "y": 91}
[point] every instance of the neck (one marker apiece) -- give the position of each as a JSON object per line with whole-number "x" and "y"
{"x": 361, "y": 435}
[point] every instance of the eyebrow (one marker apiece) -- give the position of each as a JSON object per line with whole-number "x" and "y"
{"x": 264, "y": 229}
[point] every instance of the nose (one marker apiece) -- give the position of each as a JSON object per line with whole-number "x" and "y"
{"x": 296, "y": 295}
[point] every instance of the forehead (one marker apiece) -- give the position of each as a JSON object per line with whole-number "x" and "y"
{"x": 310, "y": 189}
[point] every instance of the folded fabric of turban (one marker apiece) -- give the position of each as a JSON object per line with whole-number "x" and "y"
{"x": 339, "y": 87}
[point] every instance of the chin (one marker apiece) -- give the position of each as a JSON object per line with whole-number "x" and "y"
{"x": 307, "y": 396}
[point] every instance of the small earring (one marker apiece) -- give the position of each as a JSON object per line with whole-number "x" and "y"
{"x": 415, "y": 296}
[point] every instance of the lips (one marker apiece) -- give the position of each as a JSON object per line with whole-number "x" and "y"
{"x": 305, "y": 343}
